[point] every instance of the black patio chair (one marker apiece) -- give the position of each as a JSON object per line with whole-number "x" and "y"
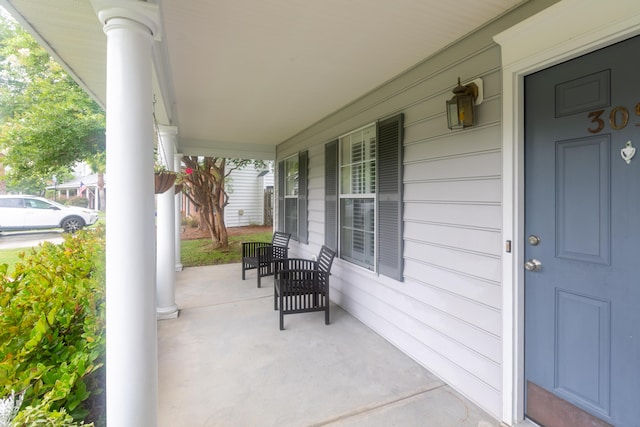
{"x": 302, "y": 285}
{"x": 260, "y": 256}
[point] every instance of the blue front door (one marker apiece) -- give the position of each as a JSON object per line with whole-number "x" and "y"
{"x": 582, "y": 226}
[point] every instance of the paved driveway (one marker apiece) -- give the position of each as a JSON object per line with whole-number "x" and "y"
{"x": 27, "y": 239}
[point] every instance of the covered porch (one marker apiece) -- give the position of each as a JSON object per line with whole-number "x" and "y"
{"x": 224, "y": 362}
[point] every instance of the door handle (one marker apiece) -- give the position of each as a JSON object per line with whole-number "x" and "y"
{"x": 533, "y": 265}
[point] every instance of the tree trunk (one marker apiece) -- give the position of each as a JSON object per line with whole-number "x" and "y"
{"x": 223, "y": 237}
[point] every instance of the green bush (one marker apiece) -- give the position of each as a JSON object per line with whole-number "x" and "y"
{"x": 52, "y": 328}
{"x": 81, "y": 202}
{"x": 190, "y": 221}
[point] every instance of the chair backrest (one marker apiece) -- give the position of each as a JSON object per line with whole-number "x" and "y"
{"x": 325, "y": 259}
{"x": 280, "y": 239}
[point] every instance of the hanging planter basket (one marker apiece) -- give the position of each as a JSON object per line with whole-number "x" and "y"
{"x": 178, "y": 188}
{"x": 164, "y": 181}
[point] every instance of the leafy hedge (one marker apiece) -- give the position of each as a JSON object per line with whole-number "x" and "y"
{"x": 52, "y": 331}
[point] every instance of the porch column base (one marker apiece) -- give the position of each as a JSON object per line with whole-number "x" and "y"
{"x": 165, "y": 313}
{"x": 179, "y": 267}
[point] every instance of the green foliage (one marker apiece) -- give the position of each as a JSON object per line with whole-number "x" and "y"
{"x": 190, "y": 221}
{"x": 40, "y": 416}
{"x": 52, "y": 314}
{"x": 48, "y": 122}
{"x": 79, "y": 201}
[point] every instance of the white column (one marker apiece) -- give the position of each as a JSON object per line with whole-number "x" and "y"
{"x": 177, "y": 162}
{"x": 96, "y": 198}
{"x": 166, "y": 232}
{"x": 132, "y": 360}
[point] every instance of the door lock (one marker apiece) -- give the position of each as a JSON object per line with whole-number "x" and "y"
{"x": 533, "y": 240}
{"x": 533, "y": 265}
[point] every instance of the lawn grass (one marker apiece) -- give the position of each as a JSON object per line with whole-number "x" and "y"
{"x": 201, "y": 252}
{"x": 193, "y": 253}
{"x": 10, "y": 256}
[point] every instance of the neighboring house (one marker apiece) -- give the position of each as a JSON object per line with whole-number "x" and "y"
{"x": 501, "y": 257}
{"x": 81, "y": 186}
{"x": 250, "y": 198}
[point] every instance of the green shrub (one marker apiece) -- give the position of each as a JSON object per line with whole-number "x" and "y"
{"x": 190, "y": 221}
{"x": 52, "y": 326}
{"x": 40, "y": 416}
{"x": 82, "y": 202}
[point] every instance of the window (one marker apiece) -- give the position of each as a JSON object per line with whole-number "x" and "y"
{"x": 358, "y": 196}
{"x": 10, "y": 202}
{"x": 292, "y": 196}
{"x": 363, "y": 196}
{"x": 38, "y": 204}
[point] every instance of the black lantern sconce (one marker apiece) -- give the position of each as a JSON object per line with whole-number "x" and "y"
{"x": 461, "y": 108}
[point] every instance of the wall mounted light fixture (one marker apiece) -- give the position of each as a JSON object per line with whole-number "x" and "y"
{"x": 461, "y": 108}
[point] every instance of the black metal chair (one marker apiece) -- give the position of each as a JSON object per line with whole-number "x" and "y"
{"x": 261, "y": 256}
{"x": 302, "y": 285}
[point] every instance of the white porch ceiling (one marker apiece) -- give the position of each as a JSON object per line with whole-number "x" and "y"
{"x": 238, "y": 77}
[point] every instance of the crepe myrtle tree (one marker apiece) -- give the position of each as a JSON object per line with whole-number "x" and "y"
{"x": 204, "y": 180}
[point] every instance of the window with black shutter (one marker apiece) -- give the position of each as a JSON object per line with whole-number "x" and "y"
{"x": 363, "y": 196}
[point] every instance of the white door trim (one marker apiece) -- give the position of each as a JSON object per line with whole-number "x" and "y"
{"x": 561, "y": 32}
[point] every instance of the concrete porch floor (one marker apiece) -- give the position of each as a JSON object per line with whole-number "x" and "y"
{"x": 224, "y": 362}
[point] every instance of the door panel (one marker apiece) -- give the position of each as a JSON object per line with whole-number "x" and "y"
{"x": 582, "y": 200}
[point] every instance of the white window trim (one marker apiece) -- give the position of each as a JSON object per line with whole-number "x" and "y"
{"x": 289, "y": 196}
{"x": 373, "y": 196}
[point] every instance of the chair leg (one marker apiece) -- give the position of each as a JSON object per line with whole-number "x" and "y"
{"x": 258, "y": 278}
{"x": 275, "y": 296}
{"x": 326, "y": 314}
{"x": 243, "y": 271}
{"x": 281, "y": 318}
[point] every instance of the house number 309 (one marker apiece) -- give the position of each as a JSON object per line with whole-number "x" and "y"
{"x": 618, "y": 118}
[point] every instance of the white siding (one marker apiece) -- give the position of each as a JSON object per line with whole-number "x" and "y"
{"x": 447, "y": 312}
{"x": 246, "y": 197}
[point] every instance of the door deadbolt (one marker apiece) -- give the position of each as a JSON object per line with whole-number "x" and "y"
{"x": 533, "y": 265}
{"x": 533, "y": 240}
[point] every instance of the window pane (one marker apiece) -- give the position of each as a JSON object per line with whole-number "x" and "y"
{"x": 291, "y": 176}
{"x": 357, "y": 227}
{"x": 291, "y": 216}
{"x": 345, "y": 185}
{"x": 357, "y": 161}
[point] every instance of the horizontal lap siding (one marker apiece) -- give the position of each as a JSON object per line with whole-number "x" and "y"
{"x": 447, "y": 312}
{"x": 246, "y": 194}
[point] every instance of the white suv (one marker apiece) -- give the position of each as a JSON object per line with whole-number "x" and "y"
{"x": 32, "y": 212}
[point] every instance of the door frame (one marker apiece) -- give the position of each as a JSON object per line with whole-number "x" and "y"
{"x": 527, "y": 47}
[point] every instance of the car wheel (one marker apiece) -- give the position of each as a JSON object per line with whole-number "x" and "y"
{"x": 73, "y": 224}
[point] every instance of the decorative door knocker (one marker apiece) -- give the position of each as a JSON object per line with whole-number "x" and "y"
{"x": 628, "y": 152}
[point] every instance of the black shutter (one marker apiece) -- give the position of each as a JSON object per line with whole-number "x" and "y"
{"x": 389, "y": 191}
{"x": 281, "y": 196}
{"x": 331, "y": 195}
{"x": 303, "y": 160}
